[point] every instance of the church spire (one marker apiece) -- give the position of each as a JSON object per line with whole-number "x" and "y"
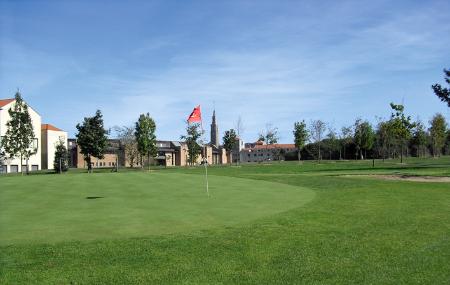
{"x": 214, "y": 130}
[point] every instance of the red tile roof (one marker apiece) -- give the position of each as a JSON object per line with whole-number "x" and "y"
{"x": 4, "y": 102}
{"x": 49, "y": 127}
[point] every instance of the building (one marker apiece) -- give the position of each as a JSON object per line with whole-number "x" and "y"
{"x": 169, "y": 153}
{"x": 50, "y": 137}
{"x": 238, "y": 147}
{"x": 259, "y": 152}
{"x": 16, "y": 165}
{"x": 113, "y": 155}
{"x": 214, "y": 131}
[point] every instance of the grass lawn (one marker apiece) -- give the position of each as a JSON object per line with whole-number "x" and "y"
{"x": 263, "y": 224}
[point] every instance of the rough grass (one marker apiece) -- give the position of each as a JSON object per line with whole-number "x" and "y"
{"x": 354, "y": 231}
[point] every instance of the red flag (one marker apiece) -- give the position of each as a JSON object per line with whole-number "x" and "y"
{"x": 195, "y": 116}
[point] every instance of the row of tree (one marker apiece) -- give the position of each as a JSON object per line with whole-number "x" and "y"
{"x": 139, "y": 142}
{"x": 396, "y": 137}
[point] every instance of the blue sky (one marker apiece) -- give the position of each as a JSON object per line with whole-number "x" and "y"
{"x": 267, "y": 61}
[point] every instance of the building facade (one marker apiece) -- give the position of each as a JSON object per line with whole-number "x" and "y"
{"x": 169, "y": 153}
{"x": 50, "y": 137}
{"x": 259, "y": 152}
{"x": 15, "y": 164}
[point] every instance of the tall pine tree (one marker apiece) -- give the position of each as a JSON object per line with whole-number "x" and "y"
{"x": 61, "y": 161}
{"x": 91, "y": 138}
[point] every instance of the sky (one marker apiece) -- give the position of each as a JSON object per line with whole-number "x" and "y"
{"x": 268, "y": 62}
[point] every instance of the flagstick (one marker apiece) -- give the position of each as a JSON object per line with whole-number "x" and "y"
{"x": 206, "y": 176}
{"x": 205, "y": 161}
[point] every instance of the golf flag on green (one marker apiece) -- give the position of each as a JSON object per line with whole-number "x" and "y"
{"x": 195, "y": 117}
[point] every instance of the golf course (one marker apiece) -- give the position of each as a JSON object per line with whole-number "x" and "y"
{"x": 334, "y": 222}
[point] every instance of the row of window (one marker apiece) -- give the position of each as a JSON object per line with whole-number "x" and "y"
{"x": 15, "y": 168}
{"x": 103, "y": 164}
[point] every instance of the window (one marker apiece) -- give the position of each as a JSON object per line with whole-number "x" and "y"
{"x": 3, "y": 169}
{"x": 14, "y": 168}
{"x": 34, "y": 167}
{"x": 24, "y": 168}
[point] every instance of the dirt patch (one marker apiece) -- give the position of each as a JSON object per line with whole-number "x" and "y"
{"x": 408, "y": 178}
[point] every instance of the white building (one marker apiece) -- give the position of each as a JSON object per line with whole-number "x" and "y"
{"x": 259, "y": 152}
{"x": 50, "y": 136}
{"x": 15, "y": 165}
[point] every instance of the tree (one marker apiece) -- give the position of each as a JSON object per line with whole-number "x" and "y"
{"x": 19, "y": 139}
{"x": 229, "y": 141}
{"x": 193, "y": 134}
{"x": 127, "y": 139}
{"x": 364, "y": 137}
{"x": 61, "y": 161}
{"x": 419, "y": 139}
{"x": 346, "y": 138}
{"x": 269, "y": 135}
{"x": 301, "y": 136}
{"x": 332, "y": 141}
{"x": 92, "y": 138}
{"x": 239, "y": 127}
{"x": 401, "y": 126}
{"x": 145, "y": 137}
{"x": 317, "y": 129}
{"x": 383, "y": 138}
{"x": 438, "y": 130}
{"x": 443, "y": 93}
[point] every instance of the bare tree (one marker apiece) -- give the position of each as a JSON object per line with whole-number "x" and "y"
{"x": 127, "y": 139}
{"x": 239, "y": 127}
{"x": 317, "y": 129}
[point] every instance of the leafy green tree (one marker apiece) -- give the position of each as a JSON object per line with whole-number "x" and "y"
{"x": 443, "y": 93}
{"x": 229, "y": 141}
{"x": 145, "y": 137}
{"x": 437, "y": 131}
{"x": 383, "y": 139}
{"x": 401, "y": 126}
{"x": 447, "y": 143}
{"x": 346, "y": 138}
{"x": 419, "y": 139}
{"x": 301, "y": 136}
{"x": 317, "y": 129}
{"x": 61, "y": 161}
{"x": 193, "y": 134}
{"x": 364, "y": 137}
{"x": 92, "y": 138}
{"x": 19, "y": 139}
{"x": 332, "y": 142}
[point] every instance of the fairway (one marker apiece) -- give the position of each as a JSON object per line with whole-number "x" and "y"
{"x": 52, "y": 208}
{"x": 280, "y": 223}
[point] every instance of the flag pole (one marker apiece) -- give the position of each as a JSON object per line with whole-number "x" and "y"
{"x": 205, "y": 158}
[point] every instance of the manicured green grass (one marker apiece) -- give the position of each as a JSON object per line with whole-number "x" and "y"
{"x": 52, "y": 208}
{"x": 353, "y": 231}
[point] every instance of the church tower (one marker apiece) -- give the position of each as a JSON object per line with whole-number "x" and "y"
{"x": 214, "y": 131}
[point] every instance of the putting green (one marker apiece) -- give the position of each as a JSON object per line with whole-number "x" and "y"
{"x": 53, "y": 208}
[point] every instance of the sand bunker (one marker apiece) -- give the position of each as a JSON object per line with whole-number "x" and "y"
{"x": 408, "y": 178}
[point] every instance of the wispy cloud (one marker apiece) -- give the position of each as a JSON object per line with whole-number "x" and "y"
{"x": 274, "y": 64}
